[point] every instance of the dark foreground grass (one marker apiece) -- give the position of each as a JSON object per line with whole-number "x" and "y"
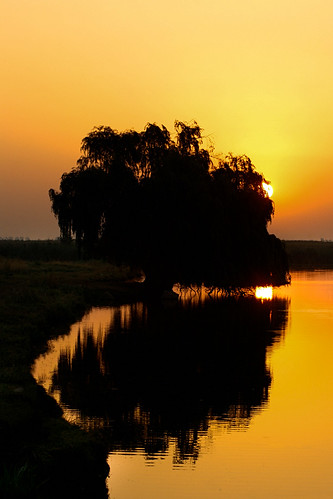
{"x": 41, "y": 455}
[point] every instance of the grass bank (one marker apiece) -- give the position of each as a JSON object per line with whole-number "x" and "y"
{"x": 41, "y": 455}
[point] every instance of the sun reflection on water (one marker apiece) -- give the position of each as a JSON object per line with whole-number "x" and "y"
{"x": 264, "y": 292}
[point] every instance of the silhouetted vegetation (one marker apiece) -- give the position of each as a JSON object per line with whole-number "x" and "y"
{"x": 38, "y": 250}
{"x": 309, "y": 254}
{"x": 163, "y": 205}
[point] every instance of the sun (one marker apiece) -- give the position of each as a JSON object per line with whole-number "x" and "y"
{"x": 268, "y": 189}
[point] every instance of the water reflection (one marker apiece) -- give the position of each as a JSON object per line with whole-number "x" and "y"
{"x": 154, "y": 376}
{"x": 264, "y": 292}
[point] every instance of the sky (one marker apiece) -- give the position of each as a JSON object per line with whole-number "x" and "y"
{"x": 256, "y": 75}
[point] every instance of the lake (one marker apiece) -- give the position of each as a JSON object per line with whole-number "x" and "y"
{"x": 204, "y": 397}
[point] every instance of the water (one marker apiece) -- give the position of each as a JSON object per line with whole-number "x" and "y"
{"x": 206, "y": 398}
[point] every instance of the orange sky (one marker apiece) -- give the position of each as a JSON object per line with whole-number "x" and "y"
{"x": 255, "y": 74}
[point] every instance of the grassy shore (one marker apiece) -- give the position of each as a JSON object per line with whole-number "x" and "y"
{"x": 41, "y": 455}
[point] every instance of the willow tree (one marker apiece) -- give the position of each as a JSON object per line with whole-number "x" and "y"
{"x": 160, "y": 202}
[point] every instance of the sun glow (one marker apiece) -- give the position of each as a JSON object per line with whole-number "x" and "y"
{"x": 264, "y": 292}
{"x": 268, "y": 189}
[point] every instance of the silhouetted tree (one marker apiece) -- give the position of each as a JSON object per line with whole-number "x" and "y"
{"x": 161, "y": 203}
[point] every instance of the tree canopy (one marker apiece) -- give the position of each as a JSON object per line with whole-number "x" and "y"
{"x": 162, "y": 203}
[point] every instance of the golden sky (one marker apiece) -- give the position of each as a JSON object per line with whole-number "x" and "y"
{"x": 256, "y": 75}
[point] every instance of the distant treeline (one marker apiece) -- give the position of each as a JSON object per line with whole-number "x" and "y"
{"x": 301, "y": 254}
{"x": 309, "y": 254}
{"x": 38, "y": 250}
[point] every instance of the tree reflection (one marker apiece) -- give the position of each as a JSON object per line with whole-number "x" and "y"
{"x": 162, "y": 373}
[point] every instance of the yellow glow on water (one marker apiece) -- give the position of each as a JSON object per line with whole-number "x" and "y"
{"x": 264, "y": 292}
{"x": 268, "y": 189}
{"x": 285, "y": 449}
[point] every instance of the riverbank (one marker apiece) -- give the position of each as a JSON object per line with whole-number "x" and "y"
{"x": 41, "y": 454}
{"x": 44, "y": 288}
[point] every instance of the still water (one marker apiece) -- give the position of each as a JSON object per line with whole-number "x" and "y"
{"x": 207, "y": 398}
